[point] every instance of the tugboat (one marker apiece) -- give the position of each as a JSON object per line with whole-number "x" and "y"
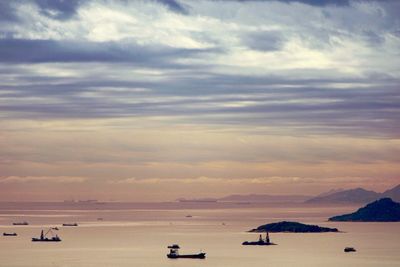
{"x": 21, "y": 223}
{"x": 174, "y": 253}
{"x": 44, "y": 238}
{"x": 70, "y": 224}
{"x": 260, "y": 242}
{"x": 9, "y": 234}
{"x": 349, "y": 249}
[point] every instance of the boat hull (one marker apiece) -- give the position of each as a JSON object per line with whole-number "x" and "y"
{"x": 6, "y": 234}
{"x": 189, "y": 256}
{"x": 247, "y": 243}
{"x": 45, "y": 240}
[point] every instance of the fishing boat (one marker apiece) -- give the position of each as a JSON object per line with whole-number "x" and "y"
{"x": 9, "y": 234}
{"x": 174, "y": 253}
{"x": 260, "y": 242}
{"x": 70, "y": 224}
{"x": 44, "y": 237}
{"x": 349, "y": 249}
{"x": 20, "y": 223}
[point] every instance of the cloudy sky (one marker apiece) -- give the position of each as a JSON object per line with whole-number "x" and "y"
{"x": 160, "y": 99}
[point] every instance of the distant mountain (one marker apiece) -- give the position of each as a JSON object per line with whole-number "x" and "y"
{"x": 293, "y": 227}
{"x": 197, "y": 200}
{"x": 254, "y": 198}
{"x": 382, "y": 210}
{"x": 393, "y": 193}
{"x": 330, "y": 192}
{"x": 358, "y": 195}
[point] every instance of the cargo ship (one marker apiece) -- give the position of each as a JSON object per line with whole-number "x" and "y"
{"x": 260, "y": 242}
{"x": 174, "y": 253}
{"x": 43, "y": 237}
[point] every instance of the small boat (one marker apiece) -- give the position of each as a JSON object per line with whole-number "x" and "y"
{"x": 100, "y": 219}
{"x": 43, "y": 237}
{"x": 260, "y": 242}
{"x": 189, "y": 216}
{"x": 349, "y": 249}
{"x": 20, "y": 223}
{"x": 69, "y": 224}
{"x": 174, "y": 253}
{"x": 9, "y": 234}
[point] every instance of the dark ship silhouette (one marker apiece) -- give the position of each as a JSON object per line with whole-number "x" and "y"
{"x": 260, "y": 242}
{"x": 44, "y": 238}
{"x": 349, "y": 249}
{"x": 174, "y": 253}
{"x": 69, "y": 224}
{"x": 9, "y": 234}
{"x": 20, "y": 223}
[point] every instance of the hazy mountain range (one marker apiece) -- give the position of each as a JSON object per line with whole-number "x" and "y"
{"x": 334, "y": 196}
{"x": 358, "y": 195}
{"x": 265, "y": 198}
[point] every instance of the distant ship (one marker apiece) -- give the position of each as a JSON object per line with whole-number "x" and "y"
{"x": 349, "y": 249}
{"x": 44, "y": 238}
{"x": 20, "y": 223}
{"x": 260, "y": 242}
{"x": 174, "y": 253}
{"x": 200, "y": 200}
{"x": 69, "y": 224}
{"x": 9, "y": 234}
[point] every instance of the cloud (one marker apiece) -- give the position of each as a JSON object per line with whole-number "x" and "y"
{"x": 261, "y": 181}
{"x": 206, "y": 180}
{"x": 227, "y": 63}
{"x": 7, "y": 11}
{"x": 39, "y": 51}
{"x": 264, "y": 41}
{"x": 174, "y": 6}
{"x": 59, "y": 9}
{"x": 41, "y": 179}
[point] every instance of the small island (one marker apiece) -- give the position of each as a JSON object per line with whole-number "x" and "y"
{"x": 382, "y": 210}
{"x": 292, "y": 227}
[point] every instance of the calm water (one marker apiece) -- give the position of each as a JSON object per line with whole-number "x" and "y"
{"x": 138, "y": 235}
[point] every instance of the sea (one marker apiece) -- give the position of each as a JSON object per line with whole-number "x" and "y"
{"x": 137, "y": 234}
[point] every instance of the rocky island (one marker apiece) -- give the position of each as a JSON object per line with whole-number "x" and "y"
{"x": 292, "y": 227}
{"x": 382, "y": 210}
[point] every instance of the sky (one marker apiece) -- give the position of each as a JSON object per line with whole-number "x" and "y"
{"x": 162, "y": 99}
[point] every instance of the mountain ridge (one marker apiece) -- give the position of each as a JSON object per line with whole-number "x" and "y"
{"x": 382, "y": 210}
{"x": 356, "y": 195}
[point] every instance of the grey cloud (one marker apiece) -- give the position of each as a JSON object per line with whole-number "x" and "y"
{"x": 7, "y": 11}
{"x": 264, "y": 41}
{"x": 39, "y": 51}
{"x": 174, "y": 6}
{"x": 308, "y": 2}
{"x": 373, "y": 38}
{"x": 63, "y": 9}
{"x": 56, "y": 9}
{"x": 192, "y": 98}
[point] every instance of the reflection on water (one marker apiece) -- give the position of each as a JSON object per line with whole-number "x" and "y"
{"x": 139, "y": 236}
